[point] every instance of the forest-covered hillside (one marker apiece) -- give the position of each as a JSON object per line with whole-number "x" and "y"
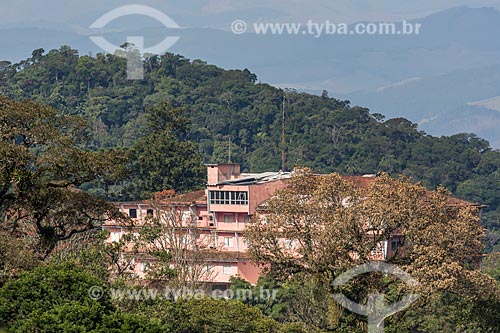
{"x": 231, "y": 108}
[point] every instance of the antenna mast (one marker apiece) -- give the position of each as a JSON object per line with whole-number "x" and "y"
{"x": 229, "y": 150}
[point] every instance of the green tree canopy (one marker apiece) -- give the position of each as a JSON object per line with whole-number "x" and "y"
{"x": 41, "y": 166}
{"x": 163, "y": 156}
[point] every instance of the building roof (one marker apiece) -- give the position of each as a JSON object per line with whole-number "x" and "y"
{"x": 256, "y": 178}
{"x": 189, "y": 198}
{"x": 245, "y": 179}
{"x": 365, "y": 181}
{"x": 185, "y": 198}
{"x": 360, "y": 181}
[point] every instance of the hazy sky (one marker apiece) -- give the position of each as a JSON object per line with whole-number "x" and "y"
{"x": 217, "y": 13}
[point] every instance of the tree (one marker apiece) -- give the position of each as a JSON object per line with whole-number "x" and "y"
{"x": 164, "y": 157}
{"x": 38, "y": 291}
{"x": 178, "y": 251}
{"x": 16, "y": 256}
{"x": 55, "y": 298}
{"x": 313, "y": 218}
{"x": 321, "y": 226}
{"x": 41, "y": 167}
{"x": 447, "y": 313}
{"x": 217, "y": 316}
{"x": 299, "y": 300}
{"x": 491, "y": 265}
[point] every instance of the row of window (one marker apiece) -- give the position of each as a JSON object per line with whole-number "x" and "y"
{"x": 228, "y": 198}
{"x": 228, "y": 241}
{"x": 226, "y": 269}
{"x": 230, "y": 218}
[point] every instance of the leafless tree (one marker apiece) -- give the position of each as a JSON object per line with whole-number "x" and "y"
{"x": 179, "y": 252}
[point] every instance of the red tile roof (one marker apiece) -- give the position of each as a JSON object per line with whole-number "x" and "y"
{"x": 364, "y": 182}
{"x": 189, "y": 198}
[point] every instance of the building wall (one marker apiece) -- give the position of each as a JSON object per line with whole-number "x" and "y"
{"x": 261, "y": 192}
{"x": 225, "y": 237}
{"x": 222, "y": 226}
{"x": 249, "y": 271}
{"x": 225, "y": 207}
{"x": 220, "y": 172}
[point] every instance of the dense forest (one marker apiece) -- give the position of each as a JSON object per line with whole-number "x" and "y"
{"x": 213, "y": 115}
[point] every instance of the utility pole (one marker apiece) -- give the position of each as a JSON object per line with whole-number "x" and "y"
{"x": 283, "y": 150}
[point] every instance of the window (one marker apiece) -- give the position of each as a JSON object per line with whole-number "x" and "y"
{"x": 149, "y": 213}
{"x": 394, "y": 245}
{"x": 219, "y": 287}
{"x": 228, "y": 198}
{"x": 228, "y": 241}
{"x": 226, "y": 269}
{"x": 115, "y": 237}
{"x": 132, "y": 212}
{"x": 228, "y": 218}
{"x": 246, "y": 218}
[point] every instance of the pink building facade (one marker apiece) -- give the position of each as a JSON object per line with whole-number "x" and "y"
{"x": 220, "y": 214}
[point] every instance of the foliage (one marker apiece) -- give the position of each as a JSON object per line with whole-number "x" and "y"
{"x": 302, "y": 300}
{"x": 214, "y": 315}
{"x": 317, "y": 216}
{"x": 163, "y": 157}
{"x": 34, "y": 293}
{"x": 491, "y": 265}
{"x": 55, "y": 298}
{"x": 41, "y": 166}
{"x": 16, "y": 257}
{"x": 322, "y": 225}
{"x": 448, "y": 313}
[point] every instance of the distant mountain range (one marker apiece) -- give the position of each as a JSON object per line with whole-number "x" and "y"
{"x": 446, "y": 79}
